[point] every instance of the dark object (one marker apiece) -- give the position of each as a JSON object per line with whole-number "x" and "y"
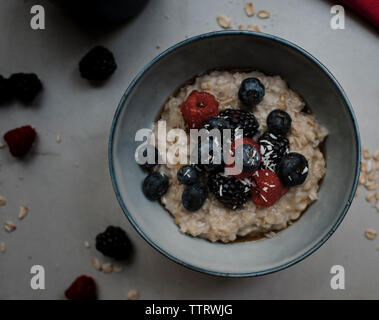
{"x": 293, "y": 169}
{"x": 188, "y": 175}
{"x": 114, "y": 243}
{"x": 25, "y": 86}
{"x": 98, "y": 64}
{"x": 5, "y": 90}
{"x": 251, "y": 92}
{"x": 273, "y": 148}
{"x": 251, "y": 158}
{"x": 210, "y": 154}
{"x": 279, "y": 122}
{"x": 231, "y": 192}
{"x": 83, "y": 288}
{"x": 194, "y": 196}
{"x": 150, "y": 148}
{"x": 20, "y": 140}
{"x": 242, "y": 120}
{"x": 155, "y": 185}
{"x": 217, "y": 123}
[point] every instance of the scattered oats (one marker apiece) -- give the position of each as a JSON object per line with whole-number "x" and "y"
{"x": 372, "y": 185}
{"x": 370, "y": 196}
{"x": 263, "y": 14}
{"x": 371, "y": 175}
{"x": 133, "y": 294}
{"x": 370, "y": 234}
{"x": 117, "y": 269}
{"x": 107, "y": 267}
{"x": 2, "y": 145}
{"x": 366, "y": 154}
{"x": 86, "y": 244}
{"x": 58, "y": 138}
{"x": 2, "y": 247}
{"x": 249, "y": 9}
{"x": 9, "y": 226}
{"x": 362, "y": 178}
{"x": 376, "y": 155}
{"x": 376, "y": 164}
{"x": 224, "y": 22}
{"x": 96, "y": 263}
{"x": 363, "y": 166}
{"x": 3, "y": 201}
{"x": 252, "y": 27}
{"x": 22, "y": 212}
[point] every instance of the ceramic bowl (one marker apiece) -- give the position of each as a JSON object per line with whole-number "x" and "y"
{"x": 242, "y": 50}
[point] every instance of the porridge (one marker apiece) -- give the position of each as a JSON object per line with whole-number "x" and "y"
{"x": 286, "y": 137}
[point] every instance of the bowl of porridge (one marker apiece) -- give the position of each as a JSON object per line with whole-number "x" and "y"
{"x": 265, "y": 193}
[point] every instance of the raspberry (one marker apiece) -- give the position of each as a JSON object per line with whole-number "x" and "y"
{"x": 98, "y": 64}
{"x": 83, "y": 288}
{"x": 114, "y": 243}
{"x": 267, "y": 189}
{"x": 5, "y": 90}
{"x": 198, "y": 108}
{"x": 25, "y": 86}
{"x": 20, "y": 140}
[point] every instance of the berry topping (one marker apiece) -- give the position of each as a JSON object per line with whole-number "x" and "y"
{"x": 217, "y": 123}
{"x": 20, "y": 140}
{"x": 194, "y": 196}
{"x": 251, "y": 92}
{"x": 279, "y": 122}
{"x": 98, "y": 64}
{"x": 114, "y": 243}
{"x": 199, "y": 107}
{"x": 209, "y": 154}
{"x": 188, "y": 175}
{"x": 25, "y": 86}
{"x": 230, "y": 191}
{"x": 5, "y": 90}
{"x": 83, "y": 288}
{"x": 273, "y": 148}
{"x": 293, "y": 169}
{"x": 267, "y": 189}
{"x": 240, "y": 119}
{"x": 247, "y": 158}
{"x": 155, "y": 185}
{"x": 148, "y": 151}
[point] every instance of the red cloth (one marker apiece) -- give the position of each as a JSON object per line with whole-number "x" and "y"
{"x": 369, "y": 9}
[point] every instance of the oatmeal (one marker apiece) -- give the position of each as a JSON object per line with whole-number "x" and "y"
{"x": 215, "y": 221}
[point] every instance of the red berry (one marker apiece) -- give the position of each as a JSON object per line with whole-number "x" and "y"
{"x": 20, "y": 140}
{"x": 232, "y": 169}
{"x": 83, "y": 288}
{"x": 267, "y": 189}
{"x": 199, "y": 107}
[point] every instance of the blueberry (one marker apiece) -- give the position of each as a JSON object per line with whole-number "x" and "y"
{"x": 279, "y": 122}
{"x": 251, "y": 157}
{"x": 194, "y": 196}
{"x": 188, "y": 175}
{"x": 210, "y": 154}
{"x": 155, "y": 185}
{"x": 142, "y": 156}
{"x": 293, "y": 169}
{"x": 251, "y": 92}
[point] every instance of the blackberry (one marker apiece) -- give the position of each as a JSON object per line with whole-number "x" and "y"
{"x": 98, "y": 64}
{"x": 242, "y": 120}
{"x": 25, "y": 86}
{"x": 5, "y": 90}
{"x": 114, "y": 243}
{"x": 273, "y": 148}
{"x": 231, "y": 192}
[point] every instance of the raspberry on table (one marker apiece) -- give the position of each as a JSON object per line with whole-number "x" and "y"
{"x": 98, "y": 64}
{"x": 198, "y": 108}
{"x": 25, "y": 86}
{"x": 114, "y": 243}
{"x": 5, "y": 90}
{"x": 20, "y": 140}
{"x": 83, "y": 288}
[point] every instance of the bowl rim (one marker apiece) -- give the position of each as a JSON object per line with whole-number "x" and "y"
{"x": 196, "y": 39}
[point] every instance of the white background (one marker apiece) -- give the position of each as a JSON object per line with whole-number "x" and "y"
{"x": 70, "y": 204}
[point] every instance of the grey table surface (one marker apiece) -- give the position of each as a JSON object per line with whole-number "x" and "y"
{"x": 67, "y": 185}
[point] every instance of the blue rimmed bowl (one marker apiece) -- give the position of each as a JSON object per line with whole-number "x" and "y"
{"x": 241, "y": 50}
